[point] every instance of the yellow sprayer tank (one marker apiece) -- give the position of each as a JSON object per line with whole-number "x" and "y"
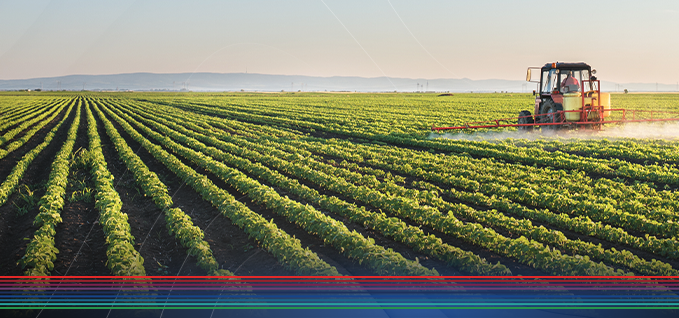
{"x": 573, "y": 101}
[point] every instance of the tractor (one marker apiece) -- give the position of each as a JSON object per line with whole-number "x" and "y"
{"x": 567, "y": 93}
{"x": 569, "y": 96}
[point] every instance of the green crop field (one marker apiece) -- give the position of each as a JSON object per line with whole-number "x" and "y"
{"x": 328, "y": 184}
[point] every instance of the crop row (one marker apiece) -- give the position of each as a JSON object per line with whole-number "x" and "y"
{"x": 430, "y": 196}
{"x": 534, "y": 156}
{"x": 580, "y": 224}
{"x": 492, "y": 217}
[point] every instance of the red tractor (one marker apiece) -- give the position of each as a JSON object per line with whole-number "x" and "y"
{"x": 569, "y": 96}
{"x": 567, "y": 92}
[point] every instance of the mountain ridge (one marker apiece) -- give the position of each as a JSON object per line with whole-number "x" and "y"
{"x": 206, "y": 81}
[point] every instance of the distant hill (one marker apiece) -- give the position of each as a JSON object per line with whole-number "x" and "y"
{"x": 266, "y": 82}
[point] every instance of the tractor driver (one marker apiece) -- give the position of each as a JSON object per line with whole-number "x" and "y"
{"x": 569, "y": 84}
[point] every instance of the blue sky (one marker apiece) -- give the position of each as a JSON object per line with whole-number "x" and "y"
{"x": 626, "y": 41}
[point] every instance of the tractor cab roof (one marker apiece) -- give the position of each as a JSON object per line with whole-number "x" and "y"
{"x": 567, "y": 66}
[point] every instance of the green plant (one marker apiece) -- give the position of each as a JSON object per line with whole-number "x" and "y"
{"x": 27, "y": 199}
{"x": 81, "y": 190}
{"x": 81, "y": 159}
{"x": 84, "y": 195}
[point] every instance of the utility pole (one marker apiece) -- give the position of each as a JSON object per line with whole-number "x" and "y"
{"x": 427, "y": 87}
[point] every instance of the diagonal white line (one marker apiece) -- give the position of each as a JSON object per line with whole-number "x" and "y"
{"x": 180, "y": 269}
{"x": 81, "y": 247}
{"x": 234, "y": 272}
{"x": 359, "y": 44}
{"x": 418, "y": 41}
{"x": 73, "y": 261}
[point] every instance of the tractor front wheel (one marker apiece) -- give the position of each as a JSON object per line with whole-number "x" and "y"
{"x": 523, "y": 119}
{"x": 550, "y": 111}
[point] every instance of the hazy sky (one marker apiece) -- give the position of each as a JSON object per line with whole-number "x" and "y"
{"x": 626, "y": 41}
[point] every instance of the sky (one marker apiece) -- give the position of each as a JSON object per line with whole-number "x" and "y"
{"x": 625, "y": 41}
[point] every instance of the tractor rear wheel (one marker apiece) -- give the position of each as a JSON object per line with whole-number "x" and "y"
{"x": 525, "y": 120}
{"x": 550, "y": 111}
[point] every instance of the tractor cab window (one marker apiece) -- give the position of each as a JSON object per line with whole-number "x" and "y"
{"x": 549, "y": 81}
{"x": 585, "y": 76}
{"x": 571, "y": 80}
